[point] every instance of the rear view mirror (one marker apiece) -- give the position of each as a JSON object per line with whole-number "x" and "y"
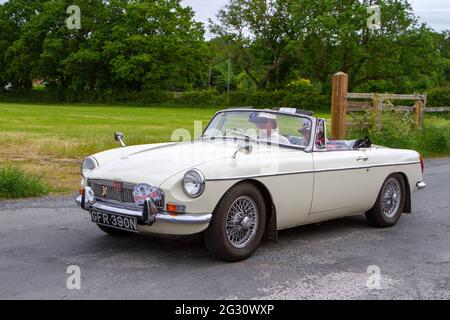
{"x": 120, "y": 137}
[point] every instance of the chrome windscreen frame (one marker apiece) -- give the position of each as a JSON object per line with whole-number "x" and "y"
{"x": 309, "y": 148}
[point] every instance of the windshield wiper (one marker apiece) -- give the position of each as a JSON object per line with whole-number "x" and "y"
{"x": 241, "y": 134}
{"x": 232, "y": 133}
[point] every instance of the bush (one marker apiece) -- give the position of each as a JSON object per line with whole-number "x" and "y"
{"x": 301, "y": 86}
{"x": 433, "y": 140}
{"x": 14, "y": 183}
{"x": 200, "y": 98}
{"x": 281, "y": 99}
{"x": 439, "y": 97}
{"x": 311, "y": 100}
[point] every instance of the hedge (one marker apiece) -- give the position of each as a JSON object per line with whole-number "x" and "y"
{"x": 439, "y": 97}
{"x": 200, "y": 98}
{"x": 281, "y": 99}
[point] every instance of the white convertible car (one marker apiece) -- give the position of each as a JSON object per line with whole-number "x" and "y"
{"x": 252, "y": 172}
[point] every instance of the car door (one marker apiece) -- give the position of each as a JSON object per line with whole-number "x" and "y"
{"x": 340, "y": 182}
{"x": 292, "y": 188}
{"x": 341, "y": 179}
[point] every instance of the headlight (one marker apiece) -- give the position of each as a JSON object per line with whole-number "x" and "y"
{"x": 193, "y": 183}
{"x": 87, "y": 165}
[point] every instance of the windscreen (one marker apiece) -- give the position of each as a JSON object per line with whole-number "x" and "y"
{"x": 262, "y": 126}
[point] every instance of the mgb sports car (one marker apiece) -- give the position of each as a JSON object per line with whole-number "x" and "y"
{"x": 252, "y": 173}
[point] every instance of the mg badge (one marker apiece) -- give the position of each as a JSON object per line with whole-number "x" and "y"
{"x": 118, "y": 186}
{"x": 104, "y": 191}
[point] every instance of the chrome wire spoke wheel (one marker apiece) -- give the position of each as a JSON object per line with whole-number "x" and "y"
{"x": 390, "y": 204}
{"x": 242, "y": 222}
{"x": 391, "y": 198}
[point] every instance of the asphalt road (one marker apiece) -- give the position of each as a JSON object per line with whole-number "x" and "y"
{"x": 39, "y": 239}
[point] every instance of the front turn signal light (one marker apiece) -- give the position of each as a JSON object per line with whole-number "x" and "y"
{"x": 175, "y": 208}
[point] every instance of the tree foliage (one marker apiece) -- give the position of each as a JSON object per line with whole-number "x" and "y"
{"x": 133, "y": 44}
{"x": 141, "y": 45}
{"x": 276, "y": 41}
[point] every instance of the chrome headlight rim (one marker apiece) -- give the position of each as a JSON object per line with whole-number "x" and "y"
{"x": 88, "y": 164}
{"x": 200, "y": 181}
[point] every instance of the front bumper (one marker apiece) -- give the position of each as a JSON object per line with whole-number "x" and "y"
{"x": 421, "y": 185}
{"x": 159, "y": 217}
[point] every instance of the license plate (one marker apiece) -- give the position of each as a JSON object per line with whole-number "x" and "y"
{"x": 116, "y": 221}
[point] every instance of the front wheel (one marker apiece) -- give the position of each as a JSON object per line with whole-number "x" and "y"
{"x": 237, "y": 227}
{"x": 390, "y": 203}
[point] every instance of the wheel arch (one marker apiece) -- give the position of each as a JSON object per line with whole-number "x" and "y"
{"x": 408, "y": 207}
{"x": 271, "y": 232}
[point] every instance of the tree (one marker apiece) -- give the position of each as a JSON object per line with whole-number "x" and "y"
{"x": 132, "y": 44}
{"x": 277, "y": 41}
{"x": 444, "y": 47}
{"x": 158, "y": 46}
{"x": 377, "y": 59}
{"x": 14, "y": 17}
{"x": 261, "y": 32}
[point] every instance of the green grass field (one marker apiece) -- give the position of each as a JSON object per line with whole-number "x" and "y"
{"x": 50, "y": 141}
{"x": 77, "y": 130}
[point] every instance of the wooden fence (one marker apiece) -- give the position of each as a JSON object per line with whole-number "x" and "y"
{"x": 433, "y": 110}
{"x": 363, "y": 110}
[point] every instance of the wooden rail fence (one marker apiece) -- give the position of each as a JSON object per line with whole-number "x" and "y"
{"x": 365, "y": 109}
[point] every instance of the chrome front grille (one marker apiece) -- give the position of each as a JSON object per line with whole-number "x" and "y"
{"x": 104, "y": 190}
{"x": 128, "y": 195}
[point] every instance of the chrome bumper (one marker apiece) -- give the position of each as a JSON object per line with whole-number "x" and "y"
{"x": 159, "y": 217}
{"x": 421, "y": 185}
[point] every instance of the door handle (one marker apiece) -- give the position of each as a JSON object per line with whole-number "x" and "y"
{"x": 365, "y": 159}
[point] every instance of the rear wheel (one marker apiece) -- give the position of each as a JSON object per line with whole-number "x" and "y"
{"x": 238, "y": 224}
{"x": 390, "y": 203}
{"x": 115, "y": 232}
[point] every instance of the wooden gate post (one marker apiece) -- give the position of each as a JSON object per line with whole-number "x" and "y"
{"x": 377, "y": 110}
{"x": 418, "y": 112}
{"x": 339, "y": 106}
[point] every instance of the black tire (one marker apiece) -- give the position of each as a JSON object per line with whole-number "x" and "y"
{"x": 216, "y": 238}
{"x": 376, "y": 217}
{"x": 115, "y": 232}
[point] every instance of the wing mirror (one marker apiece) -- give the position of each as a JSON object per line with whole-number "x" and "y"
{"x": 245, "y": 148}
{"x": 120, "y": 137}
{"x": 321, "y": 134}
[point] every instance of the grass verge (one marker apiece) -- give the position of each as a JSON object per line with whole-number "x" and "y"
{"x": 15, "y": 183}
